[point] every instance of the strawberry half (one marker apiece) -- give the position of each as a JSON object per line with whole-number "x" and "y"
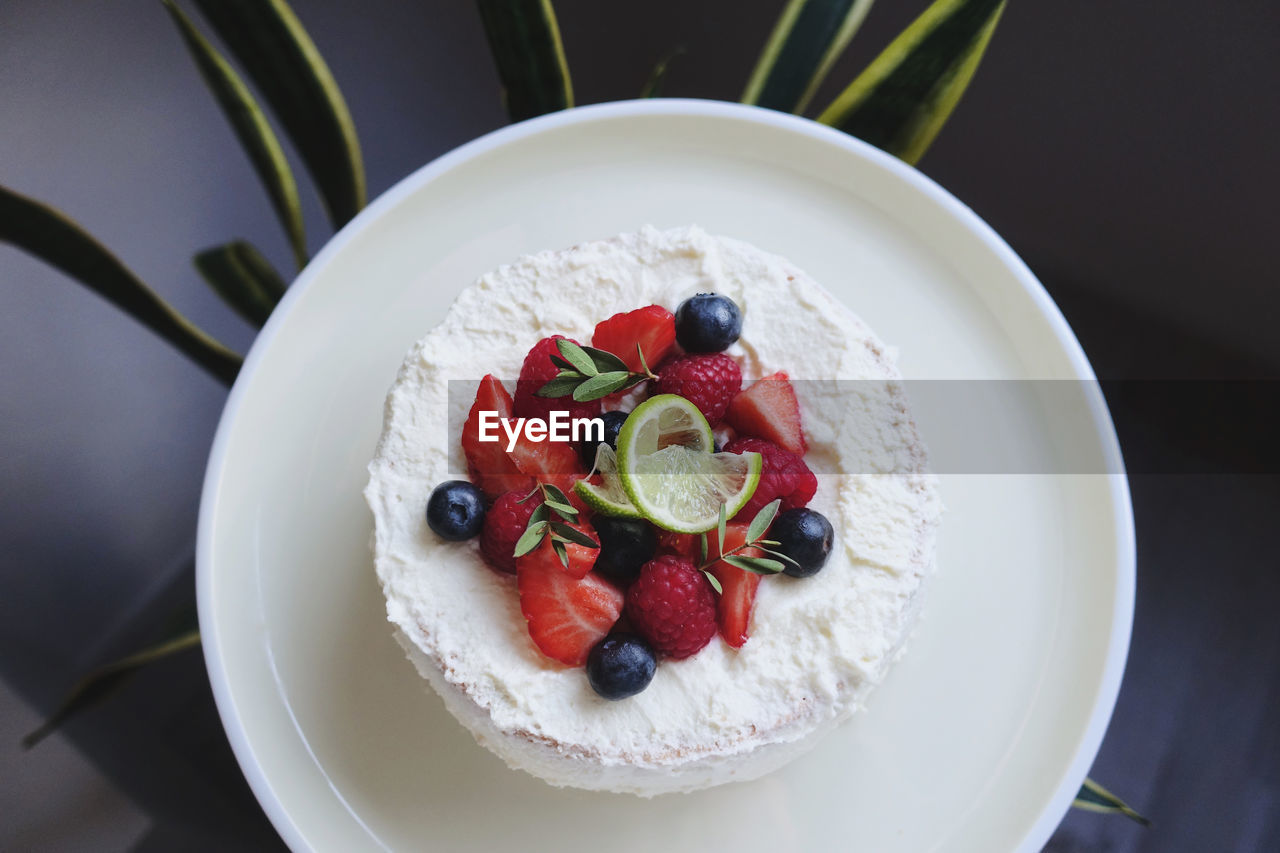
{"x": 768, "y": 409}
{"x": 652, "y": 327}
{"x": 738, "y": 596}
{"x": 548, "y": 461}
{"x": 490, "y": 467}
{"x": 581, "y": 558}
{"x": 566, "y": 616}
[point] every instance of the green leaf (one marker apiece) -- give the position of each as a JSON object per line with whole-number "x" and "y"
{"x": 759, "y": 565}
{"x": 563, "y": 509}
{"x": 256, "y": 136}
{"x": 604, "y": 361}
{"x": 243, "y": 278}
{"x": 780, "y": 556}
{"x": 282, "y": 61}
{"x": 601, "y": 386}
{"x": 722, "y": 525}
{"x": 702, "y": 548}
{"x": 561, "y": 552}
{"x": 99, "y": 683}
{"x": 763, "y": 519}
{"x": 900, "y": 102}
{"x": 540, "y": 513}
{"x": 1095, "y": 798}
{"x": 552, "y": 492}
{"x": 577, "y": 357}
{"x": 714, "y": 581}
{"x": 561, "y": 363}
{"x": 806, "y": 41}
{"x": 45, "y": 233}
{"x": 653, "y": 86}
{"x": 569, "y": 534}
{"x": 530, "y": 539}
{"x": 525, "y": 40}
{"x": 561, "y": 386}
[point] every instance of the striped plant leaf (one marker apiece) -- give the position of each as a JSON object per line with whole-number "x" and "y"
{"x": 1095, "y": 798}
{"x": 99, "y": 683}
{"x": 900, "y": 102}
{"x": 257, "y": 137}
{"x": 658, "y": 76}
{"x": 53, "y": 238}
{"x": 525, "y": 40}
{"x": 243, "y": 278}
{"x": 808, "y": 38}
{"x": 282, "y": 61}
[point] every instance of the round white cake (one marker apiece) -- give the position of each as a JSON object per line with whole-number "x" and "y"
{"x": 817, "y": 646}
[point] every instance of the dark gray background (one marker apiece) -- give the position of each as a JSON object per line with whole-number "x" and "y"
{"x": 1126, "y": 150}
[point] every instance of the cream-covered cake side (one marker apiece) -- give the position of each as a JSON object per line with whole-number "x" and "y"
{"x": 817, "y": 646}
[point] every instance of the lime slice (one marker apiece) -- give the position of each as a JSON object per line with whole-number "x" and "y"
{"x": 668, "y": 471}
{"x": 609, "y": 497}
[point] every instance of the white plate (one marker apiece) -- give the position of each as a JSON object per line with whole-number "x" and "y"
{"x": 982, "y": 733}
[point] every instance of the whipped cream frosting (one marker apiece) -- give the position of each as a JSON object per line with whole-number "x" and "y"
{"x": 817, "y": 645}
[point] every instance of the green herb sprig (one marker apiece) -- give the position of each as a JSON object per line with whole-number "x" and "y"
{"x": 551, "y": 520}
{"x": 755, "y": 539}
{"x": 587, "y": 373}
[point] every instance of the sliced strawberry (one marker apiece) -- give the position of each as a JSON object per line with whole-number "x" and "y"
{"x": 768, "y": 409}
{"x": 566, "y": 616}
{"x": 652, "y": 327}
{"x": 548, "y": 461}
{"x": 684, "y": 544}
{"x": 739, "y": 586}
{"x": 488, "y": 463}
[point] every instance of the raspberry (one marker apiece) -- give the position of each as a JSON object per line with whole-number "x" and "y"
{"x": 707, "y": 381}
{"x": 538, "y": 370}
{"x": 503, "y": 525}
{"x": 672, "y": 606}
{"x": 782, "y": 475}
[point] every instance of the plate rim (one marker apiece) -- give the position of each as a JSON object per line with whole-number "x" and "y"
{"x": 1090, "y": 739}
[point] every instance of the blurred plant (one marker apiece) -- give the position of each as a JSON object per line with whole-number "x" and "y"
{"x": 898, "y": 103}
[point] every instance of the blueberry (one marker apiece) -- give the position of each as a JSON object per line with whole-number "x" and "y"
{"x": 805, "y": 536}
{"x": 621, "y": 665}
{"x": 626, "y": 544}
{"x": 708, "y": 322}
{"x": 612, "y": 426}
{"x": 455, "y": 510}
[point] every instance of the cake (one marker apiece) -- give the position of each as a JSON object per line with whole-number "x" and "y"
{"x": 817, "y": 645}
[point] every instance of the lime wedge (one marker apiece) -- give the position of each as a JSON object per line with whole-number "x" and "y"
{"x": 609, "y": 497}
{"x": 669, "y": 473}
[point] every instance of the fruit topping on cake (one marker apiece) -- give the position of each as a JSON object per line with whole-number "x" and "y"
{"x": 672, "y": 513}
{"x": 768, "y": 409}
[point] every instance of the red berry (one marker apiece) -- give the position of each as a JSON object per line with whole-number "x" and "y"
{"x": 673, "y": 606}
{"x": 768, "y": 409}
{"x": 538, "y": 370}
{"x": 652, "y": 327}
{"x": 504, "y": 524}
{"x": 738, "y": 586}
{"x": 488, "y": 463}
{"x": 783, "y": 475}
{"x": 566, "y": 615}
{"x": 707, "y": 381}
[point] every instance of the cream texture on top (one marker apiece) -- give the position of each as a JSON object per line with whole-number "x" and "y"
{"x": 817, "y": 645}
